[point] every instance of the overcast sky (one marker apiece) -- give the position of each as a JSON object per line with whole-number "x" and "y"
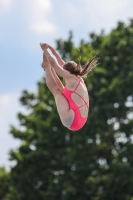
{"x": 23, "y": 25}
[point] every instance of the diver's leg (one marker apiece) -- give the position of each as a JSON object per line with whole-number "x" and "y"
{"x": 58, "y": 81}
{"x": 50, "y": 80}
{"x": 65, "y": 113}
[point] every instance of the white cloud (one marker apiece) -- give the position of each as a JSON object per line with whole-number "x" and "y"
{"x": 5, "y": 5}
{"x": 109, "y": 7}
{"x": 4, "y": 100}
{"x": 105, "y": 14}
{"x": 39, "y": 8}
{"x": 39, "y": 12}
{"x": 43, "y": 27}
{"x": 95, "y": 15}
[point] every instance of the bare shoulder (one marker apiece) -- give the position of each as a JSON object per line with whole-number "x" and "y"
{"x": 71, "y": 81}
{"x": 71, "y": 78}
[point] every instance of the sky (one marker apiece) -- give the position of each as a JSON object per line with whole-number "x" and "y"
{"x": 23, "y": 25}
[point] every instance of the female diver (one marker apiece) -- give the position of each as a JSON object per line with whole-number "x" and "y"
{"x": 72, "y": 100}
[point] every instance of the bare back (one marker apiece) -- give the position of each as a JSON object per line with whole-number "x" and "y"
{"x": 81, "y": 90}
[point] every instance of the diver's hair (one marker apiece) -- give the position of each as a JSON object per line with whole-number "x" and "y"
{"x": 77, "y": 69}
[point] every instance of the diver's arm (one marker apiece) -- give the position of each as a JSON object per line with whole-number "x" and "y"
{"x": 62, "y": 72}
{"x": 54, "y": 52}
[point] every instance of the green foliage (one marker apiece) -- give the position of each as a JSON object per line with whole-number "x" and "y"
{"x": 95, "y": 163}
{"x": 4, "y": 183}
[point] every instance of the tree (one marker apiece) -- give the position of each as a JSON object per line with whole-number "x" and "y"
{"x": 4, "y": 183}
{"x": 96, "y": 162}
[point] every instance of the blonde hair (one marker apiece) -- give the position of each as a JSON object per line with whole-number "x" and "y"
{"x": 77, "y": 69}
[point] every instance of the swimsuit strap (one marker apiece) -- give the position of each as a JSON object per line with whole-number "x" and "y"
{"x": 80, "y": 95}
{"x": 83, "y": 100}
{"x": 77, "y": 86}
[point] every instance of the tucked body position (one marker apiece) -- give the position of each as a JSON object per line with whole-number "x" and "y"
{"x": 72, "y": 100}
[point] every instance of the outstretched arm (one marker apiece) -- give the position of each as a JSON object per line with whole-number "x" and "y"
{"x": 62, "y": 72}
{"x": 59, "y": 59}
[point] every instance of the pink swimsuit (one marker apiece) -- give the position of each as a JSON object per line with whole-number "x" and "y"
{"x": 78, "y": 121}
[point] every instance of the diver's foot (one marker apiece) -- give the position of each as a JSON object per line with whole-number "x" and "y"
{"x": 45, "y": 64}
{"x": 44, "y": 46}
